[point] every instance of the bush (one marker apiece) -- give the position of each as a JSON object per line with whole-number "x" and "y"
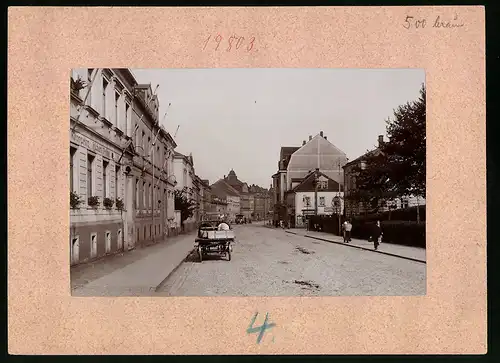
{"x": 407, "y": 214}
{"x": 119, "y": 203}
{"x": 74, "y": 200}
{"x": 408, "y": 233}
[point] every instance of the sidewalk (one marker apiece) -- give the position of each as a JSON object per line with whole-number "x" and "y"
{"x": 135, "y": 273}
{"x": 411, "y": 253}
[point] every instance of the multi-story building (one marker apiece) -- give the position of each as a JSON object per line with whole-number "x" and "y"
{"x": 223, "y": 190}
{"x": 279, "y": 179}
{"x": 354, "y": 206}
{"x": 246, "y": 200}
{"x": 151, "y": 171}
{"x": 100, "y": 106}
{"x": 206, "y": 198}
{"x": 217, "y": 208}
{"x": 185, "y": 175}
{"x": 271, "y": 202}
{"x": 119, "y": 164}
{"x": 317, "y": 194}
{"x": 298, "y": 162}
{"x": 197, "y": 198}
{"x": 261, "y": 202}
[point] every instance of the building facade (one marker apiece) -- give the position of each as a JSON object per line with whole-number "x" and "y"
{"x": 217, "y": 208}
{"x": 186, "y": 180}
{"x": 99, "y": 108}
{"x": 120, "y": 165}
{"x": 198, "y": 198}
{"x": 223, "y": 190}
{"x": 298, "y": 162}
{"x": 355, "y": 207}
{"x": 246, "y": 198}
{"x": 206, "y": 199}
{"x": 262, "y": 202}
{"x": 317, "y": 194}
{"x": 151, "y": 178}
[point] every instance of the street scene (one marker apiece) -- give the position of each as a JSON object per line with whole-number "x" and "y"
{"x": 182, "y": 188}
{"x": 269, "y": 262}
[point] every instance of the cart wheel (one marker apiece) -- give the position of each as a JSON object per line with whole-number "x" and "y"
{"x": 200, "y": 254}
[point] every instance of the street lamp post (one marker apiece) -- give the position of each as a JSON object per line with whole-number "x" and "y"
{"x": 316, "y": 193}
{"x": 152, "y": 153}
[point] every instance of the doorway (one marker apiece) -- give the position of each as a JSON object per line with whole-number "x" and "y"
{"x": 93, "y": 245}
{"x": 119, "y": 240}
{"x": 75, "y": 250}
{"x": 108, "y": 241}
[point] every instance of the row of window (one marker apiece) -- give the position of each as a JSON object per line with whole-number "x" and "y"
{"x": 142, "y": 197}
{"x": 404, "y": 204}
{"x": 113, "y": 115}
{"x": 145, "y": 144}
{"x": 307, "y": 201}
{"x": 91, "y": 168}
{"x": 75, "y": 245}
{"x": 121, "y": 120}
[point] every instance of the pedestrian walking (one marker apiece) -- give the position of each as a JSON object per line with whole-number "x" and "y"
{"x": 348, "y": 228}
{"x": 344, "y": 231}
{"x": 377, "y": 235}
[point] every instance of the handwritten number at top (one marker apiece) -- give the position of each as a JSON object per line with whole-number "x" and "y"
{"x": 232, "y": 43}
{"x": 437, "y": 22}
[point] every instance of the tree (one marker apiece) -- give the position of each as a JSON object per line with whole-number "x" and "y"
{"x": 406, "y": 151}
{"x": 372, "y": 179}
{"x": 280, "y": 210}
{"x": 397, "y": 167}
{"x": 184, "y": 204}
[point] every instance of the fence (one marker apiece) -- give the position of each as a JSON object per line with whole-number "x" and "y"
{"x": 399, "y": 226}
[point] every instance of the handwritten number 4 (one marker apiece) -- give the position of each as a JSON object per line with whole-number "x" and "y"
{"x": 259, "y": 329}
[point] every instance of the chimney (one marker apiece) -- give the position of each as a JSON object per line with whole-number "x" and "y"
{"x": 303, "y": 142}
{"x": 224, "y": 177}
{"x": 321, "y": 133}
{"x": 310, "y": 137}
{"x": 317, "y": 169}
{"x": 380, "y": 140}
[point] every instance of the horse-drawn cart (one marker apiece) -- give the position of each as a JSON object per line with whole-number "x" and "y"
{"x": 211, "y": 239}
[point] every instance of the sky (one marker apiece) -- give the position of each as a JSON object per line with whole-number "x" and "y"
{"x": 240, "y": 118}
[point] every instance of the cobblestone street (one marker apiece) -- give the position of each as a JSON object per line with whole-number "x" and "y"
{"x": 270, "y": 262}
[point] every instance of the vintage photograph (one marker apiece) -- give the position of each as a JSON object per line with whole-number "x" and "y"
{"x": 247, "y": 182}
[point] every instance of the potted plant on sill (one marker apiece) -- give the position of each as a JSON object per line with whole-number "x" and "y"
{"x": 108, "y": 203}
{"x": 119, "y": 204}
{"x": 77, "y": 85}
{"x": 93, "y": 202}
{"x": 74, "y": 200}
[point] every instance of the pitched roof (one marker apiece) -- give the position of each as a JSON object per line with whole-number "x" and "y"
{"x": 188, "y": 159}
{"x": 222, "y": 186}
{"x": 286, "y": 153}
{"x": 307, "y": 184}
{"x": 288, "y": 150}
{"x": 364, "y": 156}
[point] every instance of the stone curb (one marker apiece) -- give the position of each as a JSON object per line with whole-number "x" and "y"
{"x": 159, "y": 286}
{"x": 359, "y": 247}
